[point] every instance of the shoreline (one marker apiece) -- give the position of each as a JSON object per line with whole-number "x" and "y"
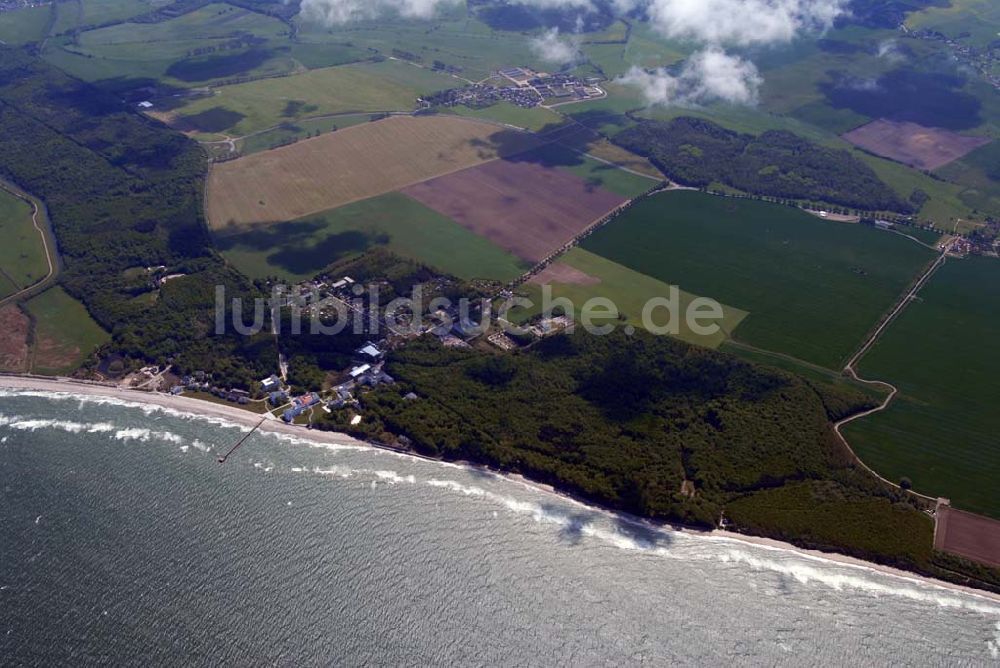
{"x": 242, "y": 417}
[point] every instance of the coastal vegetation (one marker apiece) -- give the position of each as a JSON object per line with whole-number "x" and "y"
{"x": 63, "y": 333}
{"x": 121, "y": 192}
{"x": 654, "y": 427}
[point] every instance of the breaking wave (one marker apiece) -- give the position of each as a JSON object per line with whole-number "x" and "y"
{"x": 19, "y": 423}
{"x": 637, "y": 536}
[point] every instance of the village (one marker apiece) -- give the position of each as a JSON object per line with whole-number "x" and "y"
{"x": 13, "y": 5}
{"x": 521, "y": 87}
{"x": 276, "y": 397}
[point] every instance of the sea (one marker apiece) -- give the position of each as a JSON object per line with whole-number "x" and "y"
{"x": 123, "y": 541}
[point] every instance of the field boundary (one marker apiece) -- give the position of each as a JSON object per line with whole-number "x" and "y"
{"x": 851, "y": 371}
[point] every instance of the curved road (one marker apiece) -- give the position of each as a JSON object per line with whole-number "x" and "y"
{"x": 49, "y": 250}
{"x": 851, "y": 369}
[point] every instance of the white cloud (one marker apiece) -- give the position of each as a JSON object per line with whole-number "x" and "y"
{"x": 335, "y": 12}
{"x": 710, "y": 75}
{"x": 551, "y": 48}
{"x": 889, "y": 50}
{"x": 718, "y": 22}
{"x": 742, "y": 22}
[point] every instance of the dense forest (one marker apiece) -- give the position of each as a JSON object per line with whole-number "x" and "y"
{"x": 123, "y": 194}
{"x": 658, "y": 428}
{"x": 696, "y": 152}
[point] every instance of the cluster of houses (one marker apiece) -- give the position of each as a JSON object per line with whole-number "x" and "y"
{"x": 12, "y": 5}
{"x": 478, "y": 96}
{"x": 199, "y": 382}
{"x": 530, "y": 89}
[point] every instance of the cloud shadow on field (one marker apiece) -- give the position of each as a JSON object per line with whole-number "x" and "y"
{"x": 300, "y": 247}
{"x": 932, "y": 99}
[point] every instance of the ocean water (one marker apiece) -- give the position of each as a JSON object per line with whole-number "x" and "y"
{"x": 123, "y": 541}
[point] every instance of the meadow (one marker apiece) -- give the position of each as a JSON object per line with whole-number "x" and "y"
{"x": 64, "y": 333}
{"x": 534, "y": 119}
{"x": 350, "y": 165}
{"x": 22, "y": 255}
{"x": 24, "y": 25}
{"x": 362, "y": 87}
{"x": 216, "y": 41}
{"x": 813, "y": 288}
{"x": 286, "y": 133}
{"x": 77, "y": 14}
{"x": 298, "y": 250}
{"x": 976, "y": 18}
{"x": 941, "y": 432}
{"x": 453, "y": 38}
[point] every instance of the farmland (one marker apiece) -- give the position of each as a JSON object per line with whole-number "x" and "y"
{"x": 349, "y": 165}
{"x": 14, "y": 344}
{"x": 298, "y": 250}
{"x": 594, "y": 276}
{"x": 250, "y": 107}
{"x": 596, "y": 173}
{"x": 527, "y": 208}
{"x": 813, "y": 288}
{"x": 64, "y": 333}
{"x": 941, "y": 431}
{"x": 534, "y": 119}
{"x": 912, "y": 144}
{"x": 22, "y": 256}
{"x": 169, "y": 50}
{"x": 24, "y": 25}
{"x": 454, "y": 38}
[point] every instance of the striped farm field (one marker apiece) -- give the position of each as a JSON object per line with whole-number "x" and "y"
{"x": 350, "y": 165}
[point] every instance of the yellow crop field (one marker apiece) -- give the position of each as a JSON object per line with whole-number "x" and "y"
{"x": 350, "y": 165}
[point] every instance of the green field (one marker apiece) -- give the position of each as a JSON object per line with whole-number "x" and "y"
{"x": 64, "y": 333}
{"x": 978, "y": 18}
{"x": 268, "y": 139}
{"x": 77, "y": 14}
{"x": 979, "y": 171}
{"x": 24, "y": 25}
{"x": 813, "y": 288}
{"x": 941, "y": 354}
{"x": 629, "y": 291}
{"x": 534, "y": 119}
{"x": 22, "y": 255}
{"x": 300, "y": 249}
{"x": 258, "y": 105}
{"x": 454, "y": 39}
{"x": 191, "y": 49}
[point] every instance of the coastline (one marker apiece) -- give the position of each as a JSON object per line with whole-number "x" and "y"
{"x": 242, "y": 417}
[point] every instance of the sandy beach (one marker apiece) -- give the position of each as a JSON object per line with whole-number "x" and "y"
{"x": 239, "y": 416}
